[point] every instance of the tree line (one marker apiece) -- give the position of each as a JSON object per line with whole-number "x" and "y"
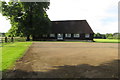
{"x": 107, "y": 36}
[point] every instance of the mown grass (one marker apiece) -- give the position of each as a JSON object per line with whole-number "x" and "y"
{"x": 107, "y": 40}
{"x": 12, "y": 52}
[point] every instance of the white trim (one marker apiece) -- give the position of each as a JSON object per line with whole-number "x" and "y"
{"x": 68, "y": 35}
{"x": 76, "y": 35}
{"x": 60, "y": 36}
{"x": 52, "y": 35}
{"x": 87, "y": 35}
{"x": 44, "y": 35}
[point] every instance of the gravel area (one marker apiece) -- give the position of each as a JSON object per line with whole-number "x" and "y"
{"x": 67, "y": 60}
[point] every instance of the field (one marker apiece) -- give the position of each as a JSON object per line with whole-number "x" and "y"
{"x": 67, "y": 60}
{"x": 11, "y": 52}
{"x": 107, "y": 40}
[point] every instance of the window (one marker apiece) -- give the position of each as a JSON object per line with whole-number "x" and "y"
{"x": 87, "y": 35}
{"x": 67, "y": 35}
{"x": 44, "y": 35}
{"x": 60, "y": 36}
{"x": 52, "y": 35}
{"x": 77, "y": 35}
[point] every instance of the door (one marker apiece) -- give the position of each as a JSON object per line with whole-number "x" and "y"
{"x": 59, "y": 36}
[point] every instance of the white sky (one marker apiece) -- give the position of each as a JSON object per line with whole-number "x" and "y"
{"x": 102, "y": 15}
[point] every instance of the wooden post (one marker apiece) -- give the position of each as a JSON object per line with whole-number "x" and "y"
{"x": 1, "y": 40}
{"x": 28, "y": 38}
{"x": 12, "y": 40}
{"x": 6, "y": 40}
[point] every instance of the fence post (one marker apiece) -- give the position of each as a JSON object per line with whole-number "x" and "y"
{"x": 12, "y": 40}
{"x": 2, "y": 40}
{"x": 6, "y": 40}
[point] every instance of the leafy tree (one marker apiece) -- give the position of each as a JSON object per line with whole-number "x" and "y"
{"x": 98, "y": 35}
{"x": 27, "y": 18}
{"x": 109, "y": 36}
{"x": 103, "y": 36}
{"x": 116, "y": 35}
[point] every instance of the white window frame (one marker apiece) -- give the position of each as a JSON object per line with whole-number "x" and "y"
{"x": 68, "y": 35}
{"x": 52, "y": 35}
{"x": 76, "y": 35}
{"x": 87, "y": 35}
{"x": 44, "y": 35}
{"x": 60, "y": 36}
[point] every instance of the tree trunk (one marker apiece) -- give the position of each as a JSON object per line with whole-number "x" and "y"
{"x": 28, "y": 38}
{"x": 6, "y": 39}
{"x": 33, "y": 38}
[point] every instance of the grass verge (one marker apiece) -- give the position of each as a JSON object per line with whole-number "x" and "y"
{"x": 12, "y": 52}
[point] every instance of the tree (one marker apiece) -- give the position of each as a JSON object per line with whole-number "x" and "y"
{"x": 109, "y": 36}
{"x": 97, "y": 35}
{"x": 116, "y": 35}
{"x": 27, "y": 18}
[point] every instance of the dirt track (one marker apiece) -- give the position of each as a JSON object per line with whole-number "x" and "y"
{"x": 68, "y": 60}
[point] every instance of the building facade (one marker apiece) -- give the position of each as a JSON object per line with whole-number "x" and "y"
{"x": 68, "y": 30}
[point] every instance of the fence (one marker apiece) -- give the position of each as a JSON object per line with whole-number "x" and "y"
{"x": 12, "y": 39}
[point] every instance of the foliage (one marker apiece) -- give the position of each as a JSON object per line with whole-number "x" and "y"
{"x": 116, "y": 35}
{"x": 12, "y": 52}
{"x": 98, "y": 35}
{"x": 107, "y": 36}
{"x": 2, "y": 34}
{"x": 11, "y": 11}
{"x": 27, "y": 18}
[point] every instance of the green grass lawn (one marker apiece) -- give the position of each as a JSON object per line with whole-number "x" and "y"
{"x": 12, "y": 52}
{"x": 107, "y": 40}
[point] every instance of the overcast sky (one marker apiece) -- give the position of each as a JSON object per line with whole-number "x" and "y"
{"x": 102, "y": 15}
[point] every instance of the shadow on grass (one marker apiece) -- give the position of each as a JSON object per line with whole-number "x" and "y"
{"x": 106, "y": 70}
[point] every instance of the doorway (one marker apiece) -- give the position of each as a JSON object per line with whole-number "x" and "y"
{"x": 59, "y": 36}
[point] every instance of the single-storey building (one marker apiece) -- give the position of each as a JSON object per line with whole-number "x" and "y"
{"x": 69, "y": 30}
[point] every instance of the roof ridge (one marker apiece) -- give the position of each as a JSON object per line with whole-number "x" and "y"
{"x": 68, "y": 20}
